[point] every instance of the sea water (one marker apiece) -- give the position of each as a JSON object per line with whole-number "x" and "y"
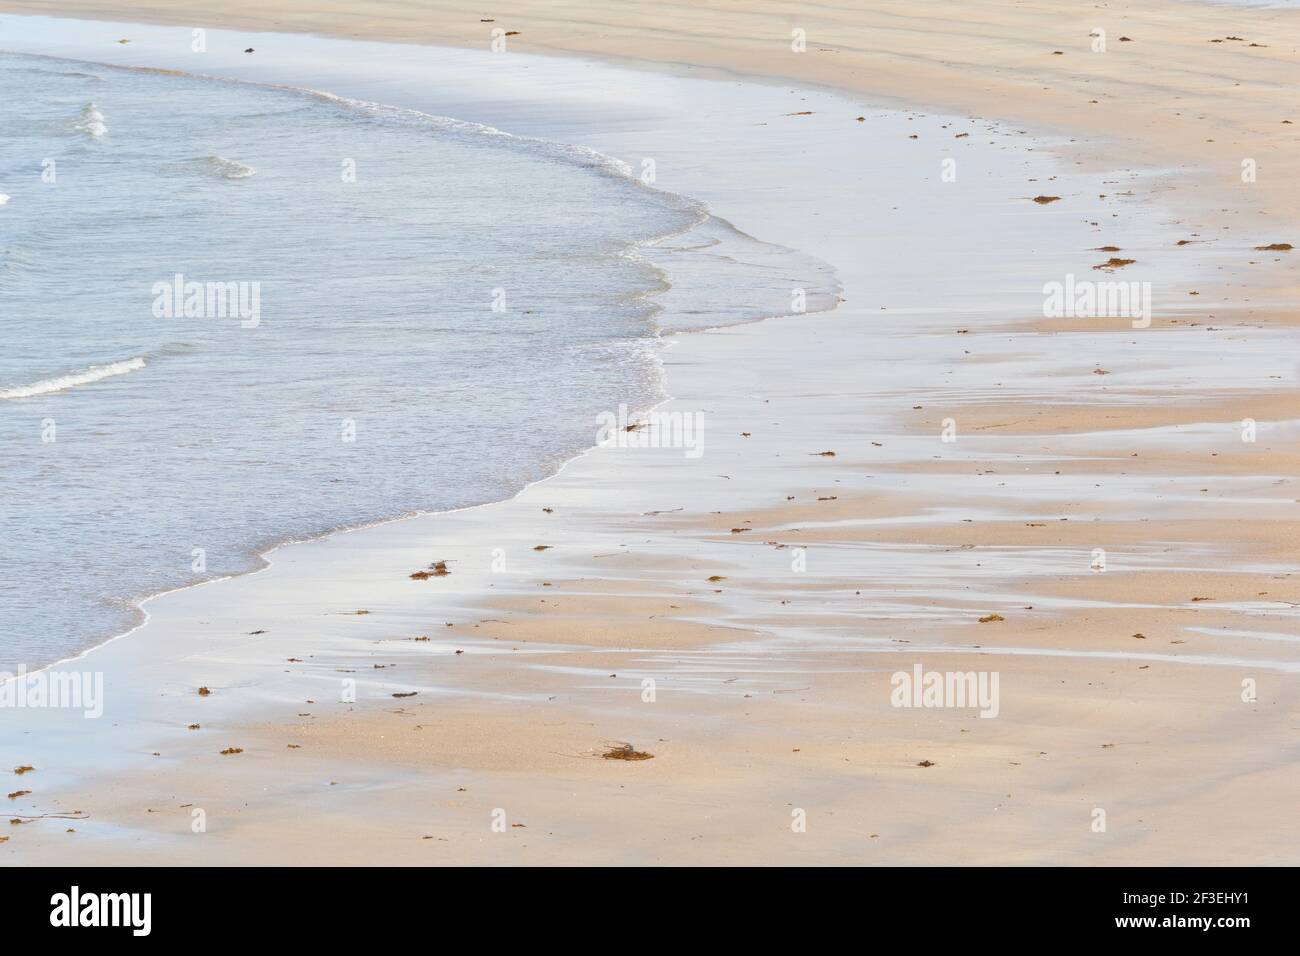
{"x": 235, "y": 315}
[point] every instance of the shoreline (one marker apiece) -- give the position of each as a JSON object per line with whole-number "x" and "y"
{"x": 640, "y": 38}
{"x": 635, "y": 249}
{"x": 639, "y": 584}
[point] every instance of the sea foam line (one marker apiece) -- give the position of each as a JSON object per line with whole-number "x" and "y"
{"x": 93, "y": 374}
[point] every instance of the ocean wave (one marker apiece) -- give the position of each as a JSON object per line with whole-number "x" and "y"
{"x": 91, "y": 121}
{"x": 3, "y": 199}
{"x": 40, "y": 71}
{"x": 572, "y": 154}
{"x": 228, "y": 168}
{"x": 93, "y": 374}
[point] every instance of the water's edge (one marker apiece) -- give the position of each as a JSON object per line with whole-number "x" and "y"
{"x": 639, "y": 249}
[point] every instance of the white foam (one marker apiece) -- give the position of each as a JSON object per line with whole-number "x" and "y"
{"x": 3, "y": 199}
{"x": 229, "y": 168}
{"x": 580, "y": 155}
{"x": 91, "y": 121}
{"x": 93, "y": 374}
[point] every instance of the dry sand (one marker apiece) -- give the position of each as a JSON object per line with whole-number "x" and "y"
{"x": 1121, "y": 689}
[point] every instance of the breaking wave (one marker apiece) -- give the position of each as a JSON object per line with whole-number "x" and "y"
{"x": 91, "y": 121}
{"x": 63, "y": 382}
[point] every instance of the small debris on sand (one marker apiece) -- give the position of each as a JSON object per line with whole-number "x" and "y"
{"x": 1115, "y": 263}
{"x": 18, "y": 793}
{"x": 204, "y": 692}
{"x": 1044, "y": 200}
{"x": 926, "y": 763}
{"x": 1276, "y": 247}
{"x": 541, "y": 547}
{"x": 626, "y": 752}
{"x": 436, "y": 570}
{"x": 991, "y": 618}
{"x": 232, "y": 750}
{"x": 192, "y": 727}
{"x": 823, "y": 454}
{"x": 714, "y": 578}
{"x": 411, "y": 693}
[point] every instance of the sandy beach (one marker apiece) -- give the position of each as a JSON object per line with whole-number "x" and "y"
{"x": 1100, "y": 511}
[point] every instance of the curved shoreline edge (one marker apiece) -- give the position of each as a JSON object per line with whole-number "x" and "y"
{"x": 579, "y": 156}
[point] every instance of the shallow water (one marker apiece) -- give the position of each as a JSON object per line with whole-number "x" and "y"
{"x": 422, "y": 315}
